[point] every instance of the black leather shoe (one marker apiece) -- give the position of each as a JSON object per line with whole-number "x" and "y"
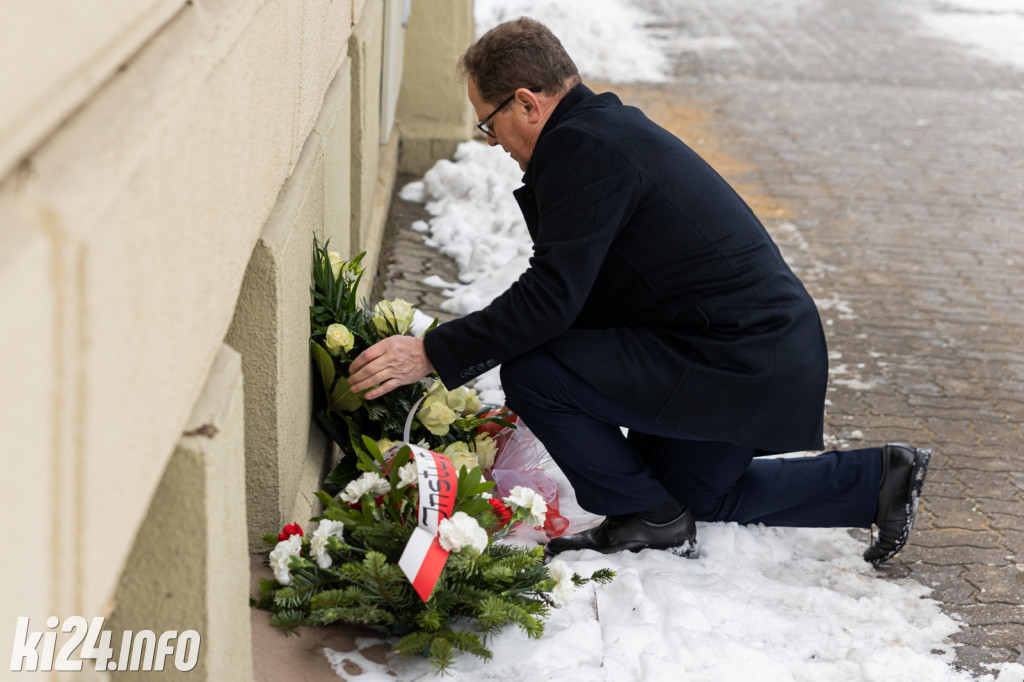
{"x": 903, "y": 471}
{"x": 633, "y": 533}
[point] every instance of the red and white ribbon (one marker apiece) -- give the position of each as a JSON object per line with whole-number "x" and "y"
{"x": 424, "y": 558}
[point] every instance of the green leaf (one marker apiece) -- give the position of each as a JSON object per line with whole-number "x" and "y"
{"x": 324, "y": 363}
{"x": 502, "y": 422}
{"x": 342, "y": 397}
{"x": 473, "y": 506}
{"x": 469, "y": 481}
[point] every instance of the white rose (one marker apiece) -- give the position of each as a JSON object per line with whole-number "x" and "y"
{"x": 473, "y": 403}
{"x": 407, "y": 475}
{"x": 529, "y": 499}
{"x": 436, "y": 415}
{"x": 384, "y": 444}
{"x": 486, "y": 449}
{"x": 336, "y": 262}
{"x": 436, "y": 388}
{"x": 369, "y": 483}
{"x": 398, "y": 313}
{"x": 454, "y": 449}
{"x": 281, "y": 555}
{"x": 457, "y": 398}
{"x": 339, "y": 338}
{"x": 464, "y": 400}
{"x": 460, "y": 531}
{"x": 561, "y": 593}
{"x": 318, "y": 542}
{"x": 461, "y": 456}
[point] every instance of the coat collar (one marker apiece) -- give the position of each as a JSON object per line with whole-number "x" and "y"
{"x": 567, "y": 107}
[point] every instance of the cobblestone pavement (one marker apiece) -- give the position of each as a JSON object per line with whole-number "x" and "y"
{"x": 889, "y": 166}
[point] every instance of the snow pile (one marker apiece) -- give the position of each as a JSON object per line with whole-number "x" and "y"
{"x": 476, "y": 222}
{"x": 760, "y": 604}
{"x": 608, "y": 39}
{"x": 993, "y": 29}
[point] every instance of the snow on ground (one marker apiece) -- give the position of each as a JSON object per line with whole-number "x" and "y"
{"x": 771, "y": 604}
{"x": 993, "y": 29}
{"x": 476, "y": 222}
{"x": 608, "y": 39}
{"x": 758, "y": 605}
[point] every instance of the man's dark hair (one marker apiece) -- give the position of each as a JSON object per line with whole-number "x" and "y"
{"x": 521, "y": 53}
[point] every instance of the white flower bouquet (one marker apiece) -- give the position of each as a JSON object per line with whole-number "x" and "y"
{"x": 410, "y": 537}
{"x": 341, "y": 329}
{"x": 354, "y": 567}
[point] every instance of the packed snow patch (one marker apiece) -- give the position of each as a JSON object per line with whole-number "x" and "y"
{"x": 608, "y": 40}
{"x": 993, "y": 29}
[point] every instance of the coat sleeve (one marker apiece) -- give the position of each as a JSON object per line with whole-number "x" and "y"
{"x": 585, "y": 193}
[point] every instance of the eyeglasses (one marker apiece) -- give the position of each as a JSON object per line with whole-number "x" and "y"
{"x": 486, "y": 129}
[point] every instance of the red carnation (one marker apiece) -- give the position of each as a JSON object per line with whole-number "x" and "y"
{"x": 290, "y": 530}
{"x": 501, "y": 512}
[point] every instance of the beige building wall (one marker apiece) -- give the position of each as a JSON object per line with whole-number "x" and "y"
{"x": 164, "y": 166}
{"x": 434, "y": 114}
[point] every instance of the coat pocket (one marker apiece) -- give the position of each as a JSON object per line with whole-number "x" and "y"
{"x": 712, "y": 403}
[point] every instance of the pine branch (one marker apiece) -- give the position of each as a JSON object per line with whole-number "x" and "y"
{"x": 414, "y": 643}
{"x": 288, "y": 620}
{"x": 496, "y": 611}
{"x": 370, "y": 614}
{"x": 305, "y": 584}
{"x": 384, "y": 582}
{"x": 470, "y": 643}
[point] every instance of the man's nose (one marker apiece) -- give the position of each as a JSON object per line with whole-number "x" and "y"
{"x": 491, "y": 140}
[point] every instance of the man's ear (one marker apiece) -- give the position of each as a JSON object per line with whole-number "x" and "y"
{"x": 530, "y": 103}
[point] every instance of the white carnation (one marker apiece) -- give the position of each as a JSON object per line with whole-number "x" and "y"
{"x": 561, "y": 593}
{"x": 318, "y": 542}
{"x": 407, "y": 474}
{"x": 460, "y": 531}
{"x": 529, "y": 499}
{"x": 369, "y": 483}
{"x": 281, "y": 555}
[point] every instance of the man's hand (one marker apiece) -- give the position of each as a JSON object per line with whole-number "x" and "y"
{"x": 388, "y": 364}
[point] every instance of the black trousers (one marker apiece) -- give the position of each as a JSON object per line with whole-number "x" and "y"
{"x": 614, "y": 474}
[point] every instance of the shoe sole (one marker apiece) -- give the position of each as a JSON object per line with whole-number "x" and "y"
{"x": 917, "y": 476}
{"x": 687, "y": 550}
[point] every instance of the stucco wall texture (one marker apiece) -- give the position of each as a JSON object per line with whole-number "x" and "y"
{"x": 164, "y": 167}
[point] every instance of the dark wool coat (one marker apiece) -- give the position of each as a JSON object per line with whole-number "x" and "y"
{"x": 655, "y": 283}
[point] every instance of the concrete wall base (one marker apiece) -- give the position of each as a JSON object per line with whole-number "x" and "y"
{"x": 183, "y": 570}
